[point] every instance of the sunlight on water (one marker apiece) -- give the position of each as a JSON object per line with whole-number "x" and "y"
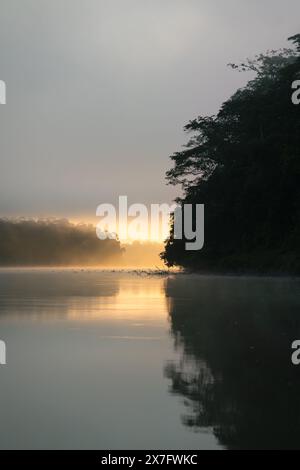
{"x": 86, "y": 358}
{"x": 123, "y": 360}
{"x": 142, "y": 301}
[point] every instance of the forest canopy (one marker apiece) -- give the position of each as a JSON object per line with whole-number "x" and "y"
{"x": 244, "y": 165}
{"x": 54, "y": 242}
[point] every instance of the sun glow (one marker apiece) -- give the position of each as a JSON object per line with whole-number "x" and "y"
{"x": 128, "y": 232}
{"x": 134, "y": 298}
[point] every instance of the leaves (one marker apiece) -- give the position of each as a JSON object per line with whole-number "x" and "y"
{"x": 244, "y": 165}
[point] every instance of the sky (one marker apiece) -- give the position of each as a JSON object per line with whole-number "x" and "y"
{"x": 98, "y": 92}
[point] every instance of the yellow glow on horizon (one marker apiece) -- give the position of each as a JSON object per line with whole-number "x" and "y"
{"x": 147, "y": 234}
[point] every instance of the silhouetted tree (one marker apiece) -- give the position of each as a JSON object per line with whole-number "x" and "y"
{"x": 244, "y": 165}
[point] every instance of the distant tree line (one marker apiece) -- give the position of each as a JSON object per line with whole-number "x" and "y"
{"x": 54, "y": 242}
{"x": 244, "y": 165}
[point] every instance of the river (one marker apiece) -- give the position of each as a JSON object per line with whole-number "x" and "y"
{"x": 124, "y": 360}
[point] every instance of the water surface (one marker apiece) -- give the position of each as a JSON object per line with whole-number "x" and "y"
{"x": 120, "y": 361}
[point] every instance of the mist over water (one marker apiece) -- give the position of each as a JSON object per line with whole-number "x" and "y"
{"x": 92, "y": 356}
{"x": 58, "y": 242}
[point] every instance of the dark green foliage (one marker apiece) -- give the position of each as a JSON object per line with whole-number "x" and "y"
{"x": 244, "y": 165}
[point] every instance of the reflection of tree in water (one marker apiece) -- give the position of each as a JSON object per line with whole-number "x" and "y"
{"x": 235, "y": 371}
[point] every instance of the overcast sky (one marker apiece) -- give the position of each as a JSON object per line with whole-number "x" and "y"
{"x": 98, "y": 92}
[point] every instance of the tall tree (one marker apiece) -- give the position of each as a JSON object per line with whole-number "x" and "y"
{"x": 244, "y": 165}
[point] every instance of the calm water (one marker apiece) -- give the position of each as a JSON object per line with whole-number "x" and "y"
{"x": 116, "y": 360}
